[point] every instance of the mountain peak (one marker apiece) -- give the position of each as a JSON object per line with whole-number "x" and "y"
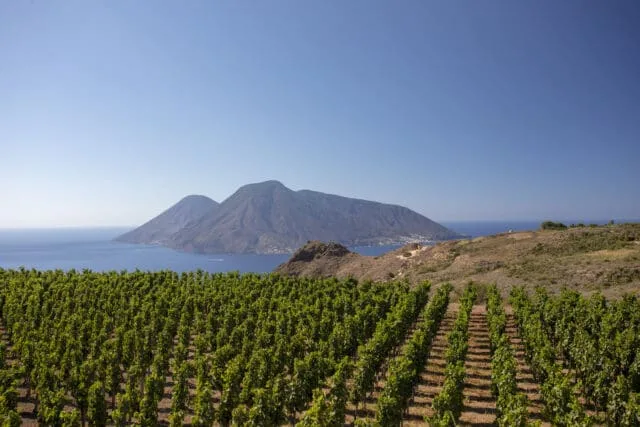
{"x": 197, "y": 198}
{"x": 260, "y": 188}
{"x": 269, "y": 184}
{"x": 160, "y": 229}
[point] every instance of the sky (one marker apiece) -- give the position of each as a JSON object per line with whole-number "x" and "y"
{"x": 113, "y": 110}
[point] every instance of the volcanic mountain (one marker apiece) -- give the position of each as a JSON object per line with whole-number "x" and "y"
{"x": 268, "y": 217}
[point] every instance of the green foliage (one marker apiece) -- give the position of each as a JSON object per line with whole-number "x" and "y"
{"x": 447, "y": 405}
{"x": 319, "y": 412}
{"x": 386, "y": 338}
{"x": 204, "y": 413}
{"x": 559, "y": 395}
{"x": 598, "y": 341}
{"x": 511, "y": 405}
{"x": 71, "y": 418}
{"x": 11, "y": 419}
{"x": 550, "y": 225}
{"x": 240, "y": 415}
{"x": 631, "y": 415}
{"x": 405, "y": 370}
{"x": 180, "y": 393}
{"x": 268, "y": 345}
{"x": 261, "y": 342}
{"x": 97, "y": 408}
{"x": 8, "y": 394}
{"x": 329, "y": 409}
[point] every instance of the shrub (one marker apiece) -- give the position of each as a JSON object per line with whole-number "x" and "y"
{"x": 550, "y": 225}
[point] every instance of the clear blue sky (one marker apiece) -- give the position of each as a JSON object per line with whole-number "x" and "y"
{"x": 112, "y": 110}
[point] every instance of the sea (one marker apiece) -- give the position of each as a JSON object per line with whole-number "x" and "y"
{"x": 94, "y": 249}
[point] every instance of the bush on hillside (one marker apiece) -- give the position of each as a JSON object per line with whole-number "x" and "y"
{"x": 550, "y": 225}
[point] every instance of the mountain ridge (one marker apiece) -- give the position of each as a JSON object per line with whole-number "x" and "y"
{"x": 268, "y": 217}
{"x": 158, "y": 229}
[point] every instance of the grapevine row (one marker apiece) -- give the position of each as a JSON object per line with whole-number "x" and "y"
{"x": 387, "y": 337}
{"x": 405, "y": 370}
{"x": 511, "y": 405}
{"x": 599, "y": 341}
{"x": 447, "y": 405}
{"x": 8, "y": 392}
{"x": 562, "y": 407}
{"x": 329, "y": 409}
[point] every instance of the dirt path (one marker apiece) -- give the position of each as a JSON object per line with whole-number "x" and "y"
{"x": 479, "y": 404}
{"x": 432, "y": 377}
{"x": 526, "y": 383}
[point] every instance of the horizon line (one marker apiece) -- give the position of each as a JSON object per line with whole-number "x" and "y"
{"x": 568, "y": 220}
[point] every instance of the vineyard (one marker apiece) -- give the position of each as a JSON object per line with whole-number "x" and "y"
{"x": 201, "y": 349}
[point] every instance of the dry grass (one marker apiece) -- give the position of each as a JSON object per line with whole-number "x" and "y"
{"x": 585, "y": 259}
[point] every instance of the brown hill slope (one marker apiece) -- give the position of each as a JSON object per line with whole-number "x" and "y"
{"x": 603, "y": 258}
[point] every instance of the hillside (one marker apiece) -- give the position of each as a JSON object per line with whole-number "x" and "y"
{"x": 161, "y": 228}
{"x": 268, "y": 217}
{"x": 605, "y": 258}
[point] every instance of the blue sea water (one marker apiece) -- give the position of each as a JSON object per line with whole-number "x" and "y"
{"x": 94, "y": 249}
